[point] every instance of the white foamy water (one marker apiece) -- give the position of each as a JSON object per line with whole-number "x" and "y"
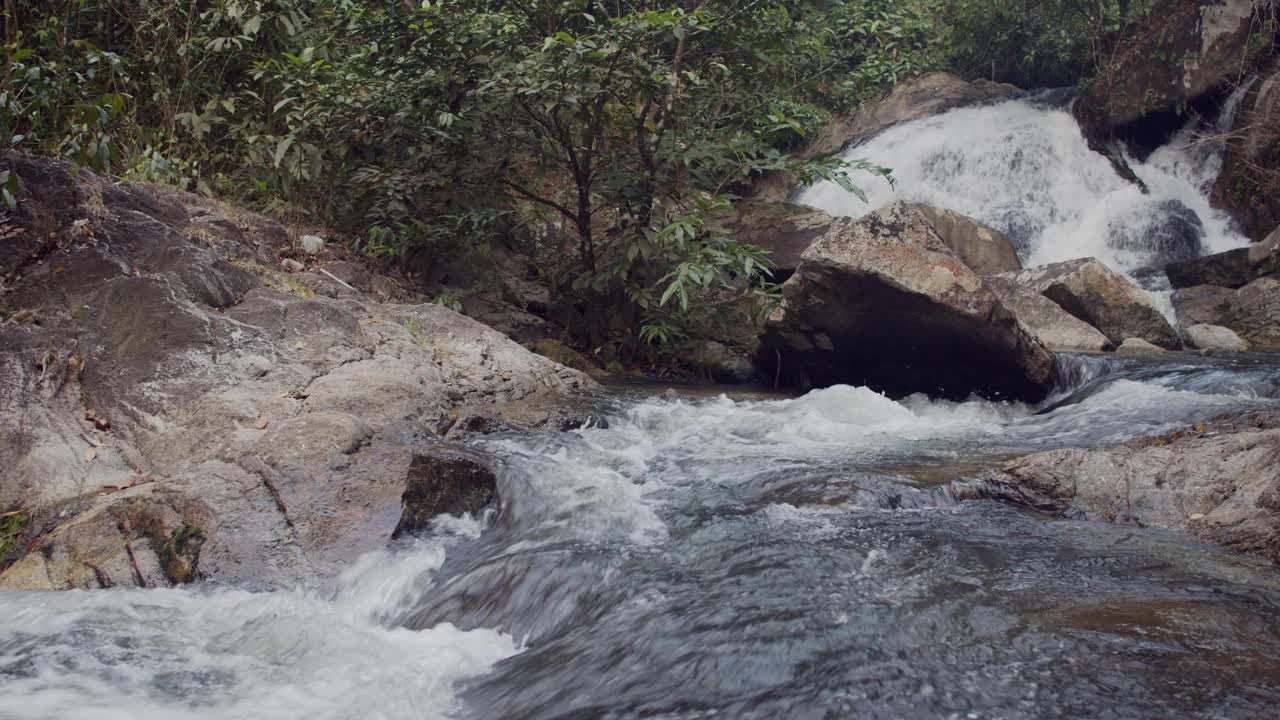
{"x": 1026, "y": 170}
{"x": 167, "y": 654}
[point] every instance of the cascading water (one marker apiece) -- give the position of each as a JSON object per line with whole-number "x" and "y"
{"x": 1026, "y": 170}
{"x": 712, "y": 557}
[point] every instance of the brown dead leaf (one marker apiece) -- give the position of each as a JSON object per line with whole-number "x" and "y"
{"x": 90, "y": 453}
{"x": 261, "y": 424}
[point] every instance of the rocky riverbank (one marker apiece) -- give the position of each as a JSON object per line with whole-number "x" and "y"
{"x": 176, "y": 404}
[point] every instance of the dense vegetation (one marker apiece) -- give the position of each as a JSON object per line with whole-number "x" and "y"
{"x": 604, "y": 138}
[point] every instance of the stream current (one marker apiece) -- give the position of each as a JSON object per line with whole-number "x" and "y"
{"x": 707, "y": 556}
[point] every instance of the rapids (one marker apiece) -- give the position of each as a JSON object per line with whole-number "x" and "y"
{"x": 714, "y": 556}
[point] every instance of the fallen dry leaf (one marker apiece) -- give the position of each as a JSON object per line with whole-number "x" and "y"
{"x": 261, "y": 424}
{"x": 93, "y": 442}
{"x": 90, "y": 453}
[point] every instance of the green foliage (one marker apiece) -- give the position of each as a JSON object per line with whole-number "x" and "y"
{"x": 1034, "y": 44}
{"x": 12, "y": 524}
{"x": 603, "y": 139}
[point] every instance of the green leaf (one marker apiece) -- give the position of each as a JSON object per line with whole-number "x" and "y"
{"x": 281, "y": 149}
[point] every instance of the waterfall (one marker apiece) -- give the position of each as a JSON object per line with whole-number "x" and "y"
{"x": 1026, "y": 170}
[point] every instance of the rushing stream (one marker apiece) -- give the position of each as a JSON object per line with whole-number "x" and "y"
{"x": 706, "y": 556}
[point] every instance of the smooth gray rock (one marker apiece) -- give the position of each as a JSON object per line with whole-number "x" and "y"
{"x": 1214, "y": 337}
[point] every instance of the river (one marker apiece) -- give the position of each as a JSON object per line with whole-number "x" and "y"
{"x": 711, "y": 556}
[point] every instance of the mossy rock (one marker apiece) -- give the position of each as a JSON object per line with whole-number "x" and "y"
{"x": 12, "y": 525}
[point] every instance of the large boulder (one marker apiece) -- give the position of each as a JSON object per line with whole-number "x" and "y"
{"x": 984, "y": 249}
{"x": 785, "y": 229}
{"x": 882, "y": 301}
{"x": 1232, "y": 269}
{"x": 1219, "y": 481}
{"x": 1252, "y": 312}
{"x": 1056, "y": 328}
{"x": 913, "y": 98}
{"x": 1184, "y": 51}
{"x": 171, "y": 407}
{"x": 1103, "y": 298}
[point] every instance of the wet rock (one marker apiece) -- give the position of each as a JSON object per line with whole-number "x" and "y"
{"x": 785, "y": 229}
{"x": 913, "y": 98}
{"x": 1184, "y": 52}
{"x": 1138, "y": 346}
{"x": 1219, "y": 481}
{"x": 984, "y": 249}
{"x": 1177, "y": 235}
{"x": 176, "y": 421}
{"x": 1214, "y": 337}
{"x": 446, "y": 480}
{"x": 1108, "y": 301}
{"x": 1053, "y": 326}
{"x": 717, "y": 361}
{"x": 1231, "y": 269}
{"x": 882, "y": 301}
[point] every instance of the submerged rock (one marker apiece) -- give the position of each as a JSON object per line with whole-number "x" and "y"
{"x": 445, "y": 480}
{"x": 153, "y": 392}
{"x": 1103, "y": 298}
{"x": 1176, "y": 235}
{"x": 882, "y": 301}
{"x": 1219, "y": 481}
